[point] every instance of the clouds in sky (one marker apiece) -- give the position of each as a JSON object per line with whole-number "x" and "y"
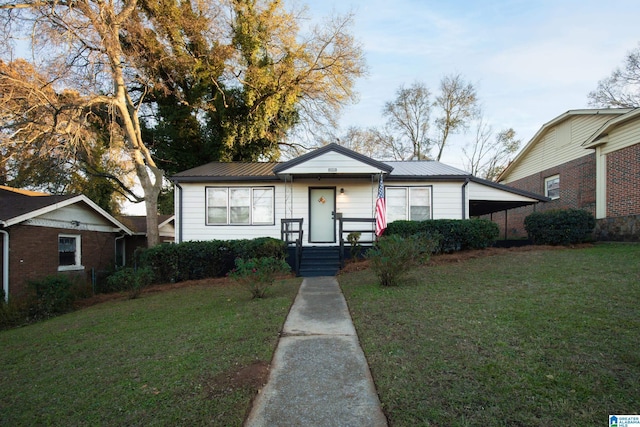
{"x": 530, "y": 60}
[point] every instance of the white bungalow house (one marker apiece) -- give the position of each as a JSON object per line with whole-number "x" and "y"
{"x": 325, "y": 194}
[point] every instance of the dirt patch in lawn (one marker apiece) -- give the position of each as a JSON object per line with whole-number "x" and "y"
{"x": 253, "y": 377}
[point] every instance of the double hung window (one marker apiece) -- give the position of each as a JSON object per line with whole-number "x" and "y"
{"x": 408, "y": 203}
{"x": 552, "y": 187}
{"x": 240, "y": 205}
{"x": 69, "y": 252}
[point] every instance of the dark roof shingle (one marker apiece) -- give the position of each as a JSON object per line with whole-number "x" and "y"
{"x": 14, "y": 203}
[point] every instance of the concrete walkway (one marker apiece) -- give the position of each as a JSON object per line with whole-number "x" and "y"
{"x": 319, "y": 375}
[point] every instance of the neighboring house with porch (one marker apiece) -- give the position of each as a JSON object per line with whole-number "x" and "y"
{"x": 318, "y": 198}
{"x": 583, "y": 159}
{"x": 44, "y": 235}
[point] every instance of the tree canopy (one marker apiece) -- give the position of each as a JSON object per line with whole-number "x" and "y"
{"x": 171, "y": 84}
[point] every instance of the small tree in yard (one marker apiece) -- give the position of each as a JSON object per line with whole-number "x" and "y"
{"x": 393, "y": 256}
{"x": 258, "y": 274}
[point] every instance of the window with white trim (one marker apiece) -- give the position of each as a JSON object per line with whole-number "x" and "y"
{"x": 408, "y": 203}
{"x": 552, "y": 187}
{"x": 69, "y": 252}
{"x": 240, "y": 206}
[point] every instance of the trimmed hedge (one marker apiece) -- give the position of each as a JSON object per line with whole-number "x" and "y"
{"x": 200, "y": 260}
{"x": 452, "y": 234}
{"x": 560, "y": 227}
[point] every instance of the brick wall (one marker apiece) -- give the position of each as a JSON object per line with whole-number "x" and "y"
{"x": 577, "y": 190}
{"x": 34, "y": 254}
{"x": 623, "y": 182}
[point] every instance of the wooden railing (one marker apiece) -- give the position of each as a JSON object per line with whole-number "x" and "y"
{"x": 364, "y": 226}
{"x": 291, "y": 233}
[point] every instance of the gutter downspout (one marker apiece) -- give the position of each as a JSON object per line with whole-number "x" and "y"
{"x": 5, "y": 264}
{"x": 178, "y": 198}
{"x": 464, "y": 198}
{"x": 115, "y": 248}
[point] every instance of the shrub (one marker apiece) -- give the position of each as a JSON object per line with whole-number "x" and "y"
{"x": 560, "y": 227}
{"x": 262, "y": 247}
{"x": 130, "y": 280}
{"x": 393, "y": 256}
{"x": 13, "y": 313}
{"x": 452, "y": 234}
{"x": 203, "y": 259}
{"x": 51, "y": 295}
{"x": 354, "y": 240}
{"x": 258, "y": 274}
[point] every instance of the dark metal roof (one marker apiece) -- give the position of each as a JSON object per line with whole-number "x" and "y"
{"x": 229, "y": 171}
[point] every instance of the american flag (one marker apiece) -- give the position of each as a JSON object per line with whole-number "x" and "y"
{"x": 381, "y": 210}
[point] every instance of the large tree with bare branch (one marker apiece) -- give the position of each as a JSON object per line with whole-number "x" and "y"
{"x": 622, "y": 88}
{"x": 489, "y": 153}
{"x": 126, "y": 60}
{"x": 409, "y": 116}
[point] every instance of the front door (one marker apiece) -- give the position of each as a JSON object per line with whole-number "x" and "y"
{"x": 322, "y": 207}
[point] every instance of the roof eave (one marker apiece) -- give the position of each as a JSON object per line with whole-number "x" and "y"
{"x": 70, "y": 201}
{"x": 427, "y": 177}
{"x": 281, "y": 168}
{"x": 513, "y": 190}
{"x": 205, "y": 179}
{"x": 554, "y": 122}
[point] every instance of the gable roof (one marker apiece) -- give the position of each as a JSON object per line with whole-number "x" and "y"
{"x": 20, "y": 205}
{"x": 138, "y": 223}
{"x": 614, "y": 112}
{"x": 599, "y": 137}
{"x": 333, "y": 147}
{"x": 268, "y": 171}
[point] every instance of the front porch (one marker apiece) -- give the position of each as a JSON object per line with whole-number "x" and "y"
{"x": 325, "y": 260}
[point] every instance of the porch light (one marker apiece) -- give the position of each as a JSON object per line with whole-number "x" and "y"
{"x": 342, "y": 191}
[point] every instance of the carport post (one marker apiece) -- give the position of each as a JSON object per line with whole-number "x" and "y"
{"x": 506, "y": 213}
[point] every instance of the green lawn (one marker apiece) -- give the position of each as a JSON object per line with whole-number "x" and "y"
{"x": 170, "y": 358}
{"x": 523, "y": 339}
{"x": 542, "y": 338}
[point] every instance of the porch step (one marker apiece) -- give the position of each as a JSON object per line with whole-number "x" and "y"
{"x": 319, "y": 261}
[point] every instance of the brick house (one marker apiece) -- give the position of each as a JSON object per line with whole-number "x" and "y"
{"x": 44, "y": 234}
{"x": 584, "y": 159}
{"x": 126, "y": 248}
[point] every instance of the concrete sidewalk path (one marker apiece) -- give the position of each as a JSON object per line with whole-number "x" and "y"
{"x": 319, "y": 375}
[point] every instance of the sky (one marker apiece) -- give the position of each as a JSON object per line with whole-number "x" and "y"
{"x": 529, "y": 60}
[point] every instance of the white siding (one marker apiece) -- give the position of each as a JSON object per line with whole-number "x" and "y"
{"x": 194, "y": 217}
{"x": 558, "y": 145}
{"x": 332, "y": 162}
{"x": 74, "y": 217}
{"x": 76, "y": 212}
{"x": 447, "y": 200}
{"x": 292, "y": 201}
{"x": 623, "y": 136}
{"x": 484, "y": 192}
